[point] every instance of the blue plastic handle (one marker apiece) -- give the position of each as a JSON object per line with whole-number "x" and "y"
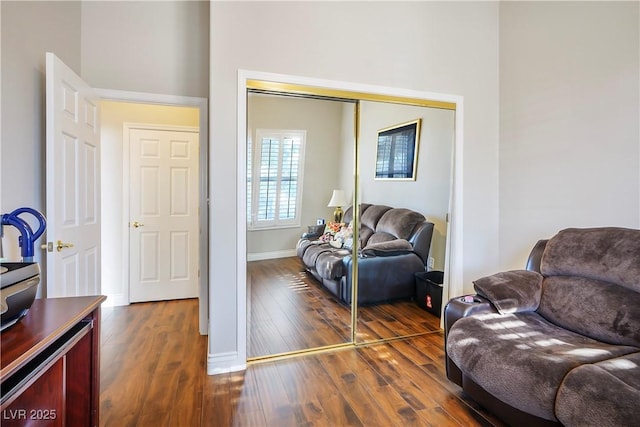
{"x": 27, "y": 237}
{"x": 41, "y": 220}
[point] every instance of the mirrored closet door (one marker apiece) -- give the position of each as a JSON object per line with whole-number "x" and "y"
{"x": 405, "y": 159}
{"x": 348, "y": 197}
{"x": 299, "y": 150}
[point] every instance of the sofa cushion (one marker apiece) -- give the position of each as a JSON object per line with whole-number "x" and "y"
{"x": 379, "y": 237}
{"x": 601, "y": 394}
{"x": 348, "y": 214}
{"x": 313, "y": 250}
{"x": 302, "y": 246}
{"x": 364, "y": 235}
{"x": 511, "y": 291}
{"x": 399, "y": 222}
{"x": 522, "y": 358}
{"x": 391, "y": 247}
{"x": 597, "y": 309}
{"x": 329, "y": 264}
{"x": 369, "y": 221}
{"x": 608, "y": 253}
{"x": 372, "y": 215}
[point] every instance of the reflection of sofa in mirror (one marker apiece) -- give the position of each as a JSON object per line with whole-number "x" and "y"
{"x": 557, "y": 345}
{"x": 394, "y": 244}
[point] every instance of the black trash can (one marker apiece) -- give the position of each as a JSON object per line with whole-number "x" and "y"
{"x": 429, "y": 291}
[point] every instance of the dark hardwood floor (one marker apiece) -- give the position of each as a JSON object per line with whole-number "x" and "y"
{"x": 289, "y": 310}
{"x": 153, "y": 374}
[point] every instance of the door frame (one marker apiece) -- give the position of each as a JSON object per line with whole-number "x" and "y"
{"x": 203, "y": 119}
{"x": 453, "y": 281}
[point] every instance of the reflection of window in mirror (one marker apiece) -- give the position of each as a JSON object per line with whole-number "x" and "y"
{"x": 397, "y": 151}
{"x": 274, "y": 180}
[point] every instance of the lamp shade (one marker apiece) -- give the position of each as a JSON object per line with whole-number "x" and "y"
{"x": 337, "y": 199}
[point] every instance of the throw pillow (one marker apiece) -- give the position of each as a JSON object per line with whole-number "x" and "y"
{"x": 330, "y": 231}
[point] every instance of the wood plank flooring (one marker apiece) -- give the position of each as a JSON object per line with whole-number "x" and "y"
{"x": 152, "y": 365}
{"x": 289, "y": 310}
{"x": 153, "y": 374}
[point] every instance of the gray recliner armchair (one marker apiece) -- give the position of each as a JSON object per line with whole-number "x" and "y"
{"x": 558, "y": 343}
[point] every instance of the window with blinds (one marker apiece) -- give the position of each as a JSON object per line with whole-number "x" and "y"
{"x": 397, "y": 150}
{"x": 275, "y": 179}
{"x": 395, "y": 155}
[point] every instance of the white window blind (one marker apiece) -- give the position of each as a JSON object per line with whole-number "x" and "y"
{"x": 276, "y": 178}
{"x": 395, "y": 155}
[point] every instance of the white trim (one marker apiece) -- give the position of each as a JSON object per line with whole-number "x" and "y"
{"x": 453, "y": 282}
{"x": 454, "y": 260}
{"x": 151, "y": 126}
{"x": 150, "y": 98}
{"x": 203, "y": 120}
{"x": 116, "y": 300}
{"x": 223, "y": 363}
{"x": 244, "y": 75}
{"x": 259, "y": 256}
{"x": 241, "y": 230}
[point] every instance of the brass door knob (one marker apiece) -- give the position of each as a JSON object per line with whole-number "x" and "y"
{"x": 137, "y": 224}
{"x": 60, "y": 245}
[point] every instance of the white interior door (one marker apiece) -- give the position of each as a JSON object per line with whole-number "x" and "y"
{"x": 72, "y": 183}
{"x": 163, "y": 221}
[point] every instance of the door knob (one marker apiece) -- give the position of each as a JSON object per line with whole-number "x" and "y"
{"x": 60, "y": 245}
{"x": 137, "y": 224}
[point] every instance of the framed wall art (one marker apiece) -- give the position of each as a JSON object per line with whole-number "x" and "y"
{"x": 397, "y": 151}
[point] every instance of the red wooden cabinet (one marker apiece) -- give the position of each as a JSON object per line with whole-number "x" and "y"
{"x": 50, "y": 365}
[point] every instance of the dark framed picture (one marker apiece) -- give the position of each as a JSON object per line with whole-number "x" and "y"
{"x": 397, "y": 151}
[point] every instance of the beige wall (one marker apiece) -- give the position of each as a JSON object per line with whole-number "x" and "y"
{"x": 147, "y": 46}
{"x": 569, "y": 120}
{"x": 29, "y": 29}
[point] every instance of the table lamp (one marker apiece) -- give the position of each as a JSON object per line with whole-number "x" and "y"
{"x": 338, "y": 200}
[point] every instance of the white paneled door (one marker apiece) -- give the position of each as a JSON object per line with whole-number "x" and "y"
{"x": 163, "y": 220}
{"x": 72, "y": 183}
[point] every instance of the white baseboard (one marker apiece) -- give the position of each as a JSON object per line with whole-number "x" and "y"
{"x": 116, "y": 300}
{"x": 222, "y": 363}
{"x": 259, "y": 256}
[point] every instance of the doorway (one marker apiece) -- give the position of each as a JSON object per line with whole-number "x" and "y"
{"x": 163, "y": 212}
{"x": 121, "y": 107}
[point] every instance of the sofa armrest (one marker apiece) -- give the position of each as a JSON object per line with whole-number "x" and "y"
{"x": 421, "y": 240}
{"x": 511, "y": 291}
{"x": 465, "y": 306}
{"x": 456, "y": 309}
{"x": 535, "y": 257}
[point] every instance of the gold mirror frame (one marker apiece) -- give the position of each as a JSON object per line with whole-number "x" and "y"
{"x": 308, "y": 91}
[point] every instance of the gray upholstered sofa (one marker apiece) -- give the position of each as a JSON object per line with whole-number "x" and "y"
{"x": 394, "y": 244}
{"x": 558, "y": 343}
